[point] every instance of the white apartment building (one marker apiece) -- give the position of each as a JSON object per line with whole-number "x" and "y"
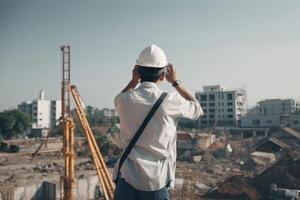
{"x": 221, "y": 106}
{"x": 278, "y": 106}
{"x": 106, "y": 112}
{"x": 43, "y": 113}
{"x": 271, "y": 113}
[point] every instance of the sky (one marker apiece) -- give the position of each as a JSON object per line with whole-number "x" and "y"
{"x": 236, "y": 43}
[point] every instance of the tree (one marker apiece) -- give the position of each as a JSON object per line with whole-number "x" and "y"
{"x": 13, "y": 123}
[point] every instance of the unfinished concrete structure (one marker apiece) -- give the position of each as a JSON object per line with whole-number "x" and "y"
{"x": 221, "y": 106}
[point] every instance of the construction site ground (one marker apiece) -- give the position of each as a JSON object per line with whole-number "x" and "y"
{"x": 213, "y": 177}
{"x": 18, "y": 169}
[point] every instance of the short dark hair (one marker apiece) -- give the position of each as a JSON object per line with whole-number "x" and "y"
{"x": 150, "y": 74}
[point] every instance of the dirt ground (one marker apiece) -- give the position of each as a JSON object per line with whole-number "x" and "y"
{"x": 18, "y": 169}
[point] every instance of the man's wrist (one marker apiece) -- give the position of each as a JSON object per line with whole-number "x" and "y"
{"x": 176, "y": 83}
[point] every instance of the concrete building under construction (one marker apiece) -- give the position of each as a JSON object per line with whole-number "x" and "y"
{"x": 221, "y": 106}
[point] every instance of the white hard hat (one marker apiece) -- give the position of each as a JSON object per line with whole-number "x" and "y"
{"x": 152, "y": 56}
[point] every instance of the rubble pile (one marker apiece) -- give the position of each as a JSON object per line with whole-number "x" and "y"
{"x": 87, "y": 165}
{"x": 47, "y": 168}
{"x": 54, "y": 167}
{"x": 284, "y": 174}
{"x": 235, "y": 188}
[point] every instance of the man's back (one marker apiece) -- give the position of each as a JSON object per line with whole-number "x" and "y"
{"x": 155, "y": 151}
{"x": 149, "y": 168}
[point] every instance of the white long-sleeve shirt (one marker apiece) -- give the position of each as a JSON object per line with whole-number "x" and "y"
{"x": 152, "y": 161}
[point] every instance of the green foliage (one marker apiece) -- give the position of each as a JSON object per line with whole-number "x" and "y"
{"x": 13, "y": 123}
{"x": 95, "y": 118}
{"x": 105, "y": 145}
{"x": 78, "y": 128}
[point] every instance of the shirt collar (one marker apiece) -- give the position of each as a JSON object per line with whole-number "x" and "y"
{"x": 148, "y": 85}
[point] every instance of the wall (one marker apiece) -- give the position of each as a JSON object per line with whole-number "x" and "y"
{"x": 260, "y": 121}
{"x": 295, "y": 120}
{"x": 87, "y": 189}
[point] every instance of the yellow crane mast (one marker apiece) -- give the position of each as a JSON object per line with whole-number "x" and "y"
{"x": 69, "y": 178}
{"x": 103, "y": 175}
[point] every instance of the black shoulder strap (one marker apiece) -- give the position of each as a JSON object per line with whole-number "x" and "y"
{"x": 140, "y": 130}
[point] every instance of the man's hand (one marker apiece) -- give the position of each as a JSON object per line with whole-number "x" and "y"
{"x": 136, "y": 79}
{"x": 171, "y": 75}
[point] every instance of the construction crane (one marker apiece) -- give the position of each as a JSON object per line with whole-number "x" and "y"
{"x": 69, "y": 180}
{"x": 103, "y": 175}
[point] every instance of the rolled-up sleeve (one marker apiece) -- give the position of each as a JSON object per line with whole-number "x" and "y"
{"x": 181, "y": 107}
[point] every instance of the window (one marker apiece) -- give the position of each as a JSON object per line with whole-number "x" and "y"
{"x": 269, "y": 121}
{"x": 229, "y": 96}
{"x": 229, "y": 104}
{"x": 296, "y": 122}
{"x": 211, "y": 116}
{"x": 211, "y": 110}
{"x": 203, "y": 97}
{"x": 211, "y": 104}
{"x": 265, "y": 111}
{"x": 204, "y": 110}
{"x": 256, "y": 122}
{"x": 203, "y": 104}
{"x": 229, "y": 110}
{"x": 230, "y": 116}
{"x": 211, "y": 97}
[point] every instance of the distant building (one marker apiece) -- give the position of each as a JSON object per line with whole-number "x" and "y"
{"x": 106, "y": 112}
{"x": 194, "y": 141}
{"x": 295, "y": 120}
{"x": 271, "y": 113}
{"x": 284, "y": 138}
{"x": 278, "y": 106}
{"x": 43, "y": 113}
{"x": 221, "y": 106}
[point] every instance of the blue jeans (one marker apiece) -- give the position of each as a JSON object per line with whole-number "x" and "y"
{"x": 124, "y": 191}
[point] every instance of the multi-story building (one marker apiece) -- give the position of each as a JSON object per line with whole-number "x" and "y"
{"x": 43, "y": 113}
{"x": 221, "y": 106}
{"x": 277, "y": 106}
{"x": 271, "y": 113}
{"x": 106, "y": 112}
{"x": 295, "y": 120}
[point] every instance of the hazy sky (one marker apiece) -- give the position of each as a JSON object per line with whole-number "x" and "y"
{"x": 255, "y": 43}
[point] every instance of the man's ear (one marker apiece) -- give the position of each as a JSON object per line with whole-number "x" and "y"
{"x": 162, "y": 77}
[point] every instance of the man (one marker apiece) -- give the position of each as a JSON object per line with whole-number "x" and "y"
{"x": 149, "y": 169}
